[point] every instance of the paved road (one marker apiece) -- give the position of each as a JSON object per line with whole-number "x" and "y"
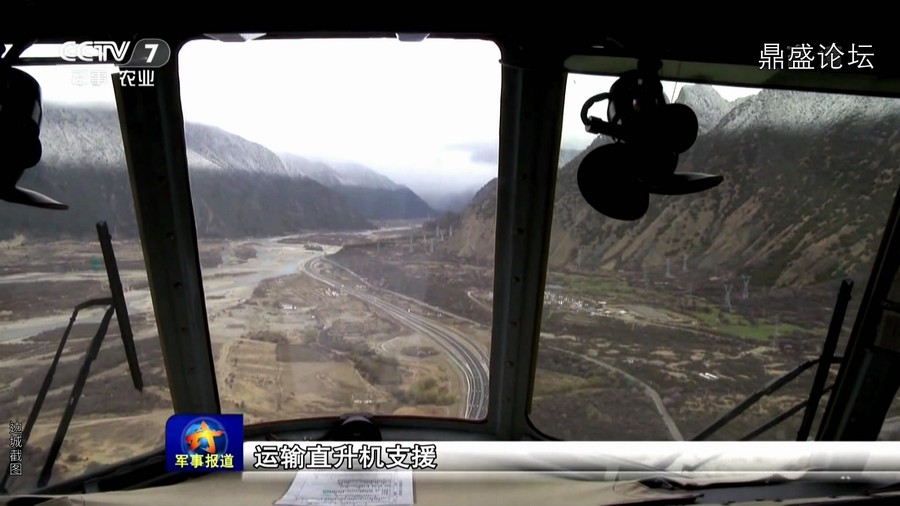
{"x": 463, "y": 353}
{"x": 650, "y": 391}
{"x": 475, "y": 300}
{"x": 474, "y": 365}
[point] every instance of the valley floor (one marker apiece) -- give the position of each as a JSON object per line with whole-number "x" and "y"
{"x": 361, "y": 323}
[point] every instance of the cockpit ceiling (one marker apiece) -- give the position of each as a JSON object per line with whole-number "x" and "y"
{"x": 586, "y": 30}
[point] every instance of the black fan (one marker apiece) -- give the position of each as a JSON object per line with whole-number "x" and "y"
{"x": 20, "y": 127}
{"x": 617, "y": 179}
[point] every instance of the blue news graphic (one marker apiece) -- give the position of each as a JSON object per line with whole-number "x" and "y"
{"x": 202, "y": 443}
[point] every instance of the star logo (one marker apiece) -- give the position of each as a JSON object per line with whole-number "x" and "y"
{"x": 204, "y": 432}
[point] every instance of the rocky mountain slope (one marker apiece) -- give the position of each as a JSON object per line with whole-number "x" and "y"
{"x": 239, "y": 188}
{"x": 809, "y": 180}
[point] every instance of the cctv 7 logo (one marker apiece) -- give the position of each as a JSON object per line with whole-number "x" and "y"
{"x": 149, "y": 53}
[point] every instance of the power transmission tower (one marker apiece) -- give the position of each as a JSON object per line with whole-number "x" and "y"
{"x": 746, "y": 280}
{"x": 728, "y": 287}
{"x": 684, "y": 263}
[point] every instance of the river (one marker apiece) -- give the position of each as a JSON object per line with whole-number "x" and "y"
{"x": 231, "y": 281}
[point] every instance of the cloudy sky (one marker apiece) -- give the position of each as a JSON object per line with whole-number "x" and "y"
{"x": 424, "y": 113}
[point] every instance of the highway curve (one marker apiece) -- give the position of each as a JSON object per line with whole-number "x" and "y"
{"x": 650, "y": 391}
{"x": 463, "y": 353}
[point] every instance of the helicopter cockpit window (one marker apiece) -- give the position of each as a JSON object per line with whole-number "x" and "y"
{"x": 675, "y": 318}
{"x": 344, "y": 208}
{"x": 51, "y": 262}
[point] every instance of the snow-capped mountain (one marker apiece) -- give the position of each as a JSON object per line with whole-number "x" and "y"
{"x": 809, "y": 179}
{"x": 239, "y": 188}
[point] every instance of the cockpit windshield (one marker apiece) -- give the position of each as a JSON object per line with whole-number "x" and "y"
{"x": 676, "y": 318}
{"x": 51, "y": 261}
{"x": 331, "y": 184}
{"x": 344, "y": 196}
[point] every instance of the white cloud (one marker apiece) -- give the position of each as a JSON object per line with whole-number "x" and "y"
{"x": 394, "y": 106}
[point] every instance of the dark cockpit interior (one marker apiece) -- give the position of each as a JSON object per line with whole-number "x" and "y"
{"x": 373, "y": 228}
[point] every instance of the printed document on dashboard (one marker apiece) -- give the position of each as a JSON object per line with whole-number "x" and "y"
{"x": 355, "y": 488}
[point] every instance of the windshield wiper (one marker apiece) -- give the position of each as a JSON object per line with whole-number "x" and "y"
{"x": 116, "y": 304}
{"x": 834, "y": 331}
{"x": 48, "y": 379}
{"x": 824, "y": 362}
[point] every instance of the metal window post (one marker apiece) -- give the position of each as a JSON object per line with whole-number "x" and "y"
{"x": 530, "y": 131}
{"x": 153, "y": 134}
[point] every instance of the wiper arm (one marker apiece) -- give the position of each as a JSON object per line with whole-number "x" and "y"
{"x": 118, "y": 298}
{"x": 831, "y": 341}
{"x": 94, "y": 349}
{"x": 120, "y": 309}
{"x": 116, "y": 305}
{"x": 824, "y": 362}
{"x": 48, "y": 379}
{"x": 768, "y": 389}
{"x": 784, "y": 416}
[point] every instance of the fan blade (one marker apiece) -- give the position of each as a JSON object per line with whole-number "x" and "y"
{"x": 607, "y": 185}
{"x": 685, "y": 183}
{"x": 621, "y": 203}
{"x": 679, "y": 127}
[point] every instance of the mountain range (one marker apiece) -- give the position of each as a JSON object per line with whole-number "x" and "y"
{"x": 369, "y": 193}
{"x": 809, "y": 180}
{"x": 83, "y": 165}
